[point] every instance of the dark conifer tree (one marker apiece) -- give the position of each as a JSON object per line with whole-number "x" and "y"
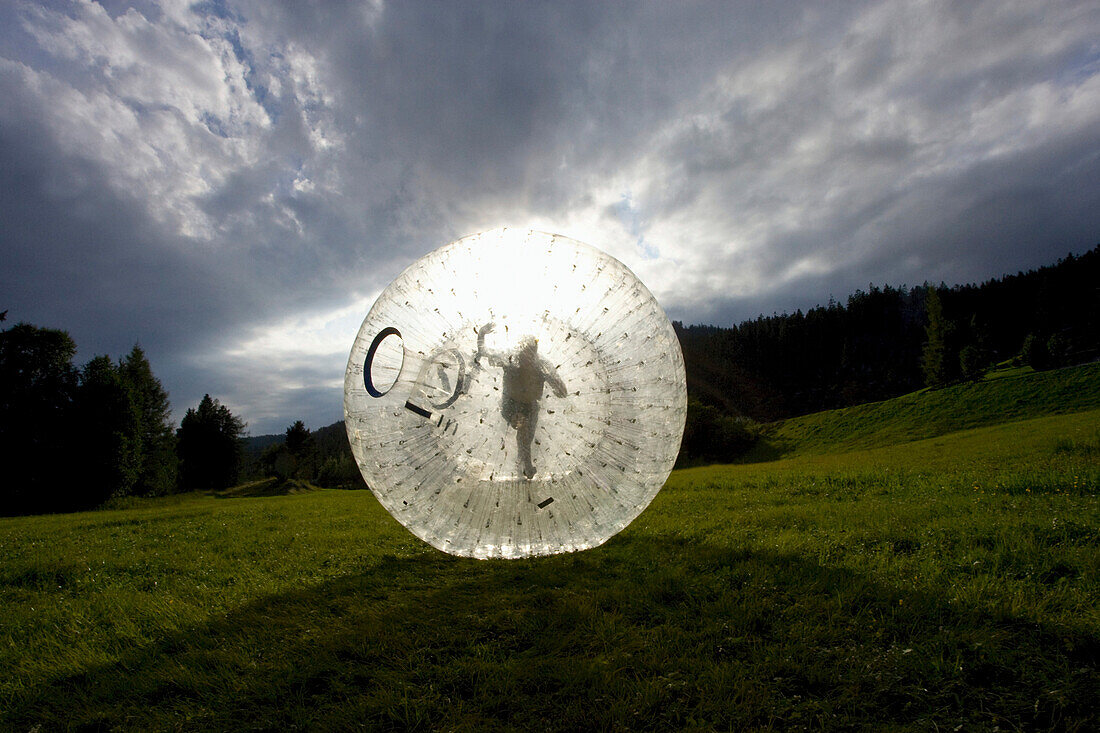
{"x": 934, "y": 355}
{"x": 298, "y": 439}
{"x": 158, "y": 463}
{"x": 209, "y": 446}
{"x": 1059, "y": 350}
{"x": 37, "y": 385}
{"x": 108, "y": 427}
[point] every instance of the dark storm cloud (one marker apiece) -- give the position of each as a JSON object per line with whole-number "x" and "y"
{"x": 80, "y": 256}
{"x": 498, "y": 99}
{"x": 231, "y": 183}
{"x": 912, "y": 149}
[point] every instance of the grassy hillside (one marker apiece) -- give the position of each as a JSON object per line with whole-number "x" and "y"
{"x": 951, "y": 582}
{"x": 1004, "y": 397}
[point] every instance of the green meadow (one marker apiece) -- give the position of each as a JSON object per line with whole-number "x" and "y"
{"x": 925, "y": 563}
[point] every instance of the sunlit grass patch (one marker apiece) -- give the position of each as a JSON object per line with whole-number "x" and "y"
{"x": 928, "y": 413}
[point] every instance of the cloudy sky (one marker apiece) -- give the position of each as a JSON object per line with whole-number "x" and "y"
{"x": 232, "y": 183}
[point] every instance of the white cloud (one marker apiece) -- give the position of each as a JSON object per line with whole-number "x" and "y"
{"x": 809, "y": 140}
{"x": 165, "y": 107}
{"x": 309, "y": 336}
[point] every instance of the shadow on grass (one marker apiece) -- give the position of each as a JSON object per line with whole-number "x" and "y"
{"x": 267, "y": 487}
{"x": 637, "y": 634}
{"x": 764, "y": 450}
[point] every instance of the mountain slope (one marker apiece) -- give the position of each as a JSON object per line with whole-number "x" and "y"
{"x": 929, "y": 413}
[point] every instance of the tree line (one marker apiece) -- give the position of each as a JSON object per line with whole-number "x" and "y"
{"x": 74, "y": 437}
{"x": 887, "y": 341}
{"x": 321, "y": 457}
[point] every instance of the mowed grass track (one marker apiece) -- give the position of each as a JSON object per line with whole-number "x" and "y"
{"x": 951, "y": 581}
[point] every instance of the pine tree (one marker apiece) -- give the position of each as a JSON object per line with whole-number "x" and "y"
{"x": 934, "y": 355}
{"x": 974, "y": 356}
{"x": 108, "y": 426}
{"x": 158, "y": 461}
{"x": 300, "y": 450}
{"x": 1034, "y": 352}
{"x": 298, "y": 438}
{"x": 37, "y": 385}
{"x": 209, "y": 446}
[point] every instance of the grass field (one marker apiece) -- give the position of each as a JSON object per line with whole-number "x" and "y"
{"x": 945, "y": 583}
{"x": 1006, "y": 395}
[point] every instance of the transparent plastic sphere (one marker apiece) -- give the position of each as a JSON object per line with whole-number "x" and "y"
{"x": 515, "y": 393}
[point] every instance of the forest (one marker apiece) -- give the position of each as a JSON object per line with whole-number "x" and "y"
{"x": 76, "y": 437}
{"x": 887, "y": 341}
{"x": 73, "y": 437}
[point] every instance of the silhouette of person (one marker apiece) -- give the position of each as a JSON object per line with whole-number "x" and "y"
{"x": 525, "y": 374}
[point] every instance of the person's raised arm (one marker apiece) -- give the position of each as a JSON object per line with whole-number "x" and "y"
{"x": 493, "y": 357}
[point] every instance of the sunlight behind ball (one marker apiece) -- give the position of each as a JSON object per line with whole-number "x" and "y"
{"x": 515, "y": 393}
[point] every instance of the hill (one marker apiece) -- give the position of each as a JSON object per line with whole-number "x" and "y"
{"x": 1019, "y": 394}
{"x": 257, "y": 444}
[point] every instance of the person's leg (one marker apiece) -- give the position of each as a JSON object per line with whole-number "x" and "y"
{"x": 525, "y": 435}
{"x": 509, "y": 412}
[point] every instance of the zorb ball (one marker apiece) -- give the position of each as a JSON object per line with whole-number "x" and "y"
{"x": 515, "y": 393}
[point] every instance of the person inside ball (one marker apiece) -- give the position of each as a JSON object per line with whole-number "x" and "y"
{"x": 525, "y": 376}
